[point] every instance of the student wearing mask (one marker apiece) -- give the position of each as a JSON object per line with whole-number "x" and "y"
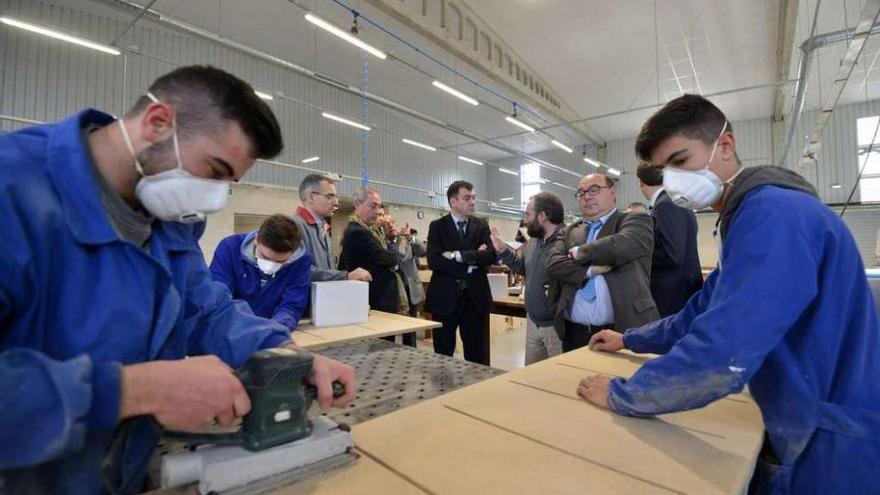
{"x": 268, "y": 269}
{"x": 788, "y": 312}
{"x": 109, "y": 319}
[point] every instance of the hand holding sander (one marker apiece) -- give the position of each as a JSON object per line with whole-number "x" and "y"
{"x": 277, "y": 443}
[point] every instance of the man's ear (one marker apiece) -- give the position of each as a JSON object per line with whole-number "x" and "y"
{"x": 157, "y": 122}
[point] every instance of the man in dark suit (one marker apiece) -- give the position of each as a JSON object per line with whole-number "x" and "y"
{"x": 364, "y": 246}
{"x": 675, "y": 266}
{"x": 600, "y": 267}
{"x": 459, "y": 250}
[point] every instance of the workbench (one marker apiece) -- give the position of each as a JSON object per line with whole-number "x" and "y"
{"x": 380, "y": 324}
{"x": 527, "y": 431}
{"x": 509, "y": 306}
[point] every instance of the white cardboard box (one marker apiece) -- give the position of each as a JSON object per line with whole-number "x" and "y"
{"x": 340, "y": 302}
{"x": 498, "y": 284}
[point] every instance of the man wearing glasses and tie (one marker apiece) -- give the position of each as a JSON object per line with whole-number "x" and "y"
{"x": 600, "y": 267}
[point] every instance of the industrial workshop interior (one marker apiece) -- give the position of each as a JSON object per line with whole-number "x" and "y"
{"x": 439, "y": 247}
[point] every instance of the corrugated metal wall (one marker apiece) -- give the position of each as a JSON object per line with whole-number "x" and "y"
{"x": 502, "y": 185}
{"x": 46, "y": 80}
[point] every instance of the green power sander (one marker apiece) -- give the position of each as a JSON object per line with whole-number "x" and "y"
{"x": 277, "y": 443}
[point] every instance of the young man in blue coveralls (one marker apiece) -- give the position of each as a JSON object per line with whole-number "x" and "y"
{"x": 104, "y": 291}
{"x": 267, "y": 268}
{"x": 788, "y": 311}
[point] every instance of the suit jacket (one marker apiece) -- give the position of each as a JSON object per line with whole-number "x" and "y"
{"x": 675, "y": 267}
{"x": 361, "y": 250}
{"x": 625, "y": 243}
{"x": 409, "y": 251}
{"x": 443, "y": 291}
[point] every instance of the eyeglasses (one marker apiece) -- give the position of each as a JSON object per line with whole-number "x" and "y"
{"x": 328, "y": 196}
{"x": 592, "y": 191}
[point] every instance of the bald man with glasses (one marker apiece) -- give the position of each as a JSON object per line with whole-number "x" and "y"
{"x": 600, "y": 267}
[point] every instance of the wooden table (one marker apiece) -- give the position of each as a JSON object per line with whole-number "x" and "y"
{"x": 380, "y": 324}
{"x": 509, "y": 306}
{"x": 528, "y": 432}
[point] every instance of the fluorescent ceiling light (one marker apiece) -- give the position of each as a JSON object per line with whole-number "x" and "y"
{"x": 456, "y": 93}
{"x": 470, "y": 160}
{"x": 321, "y": 23}
{"x": 418, "y": 144}
{"x": 58, "y": 35}
{"x": 312, "y": 159}
{"x": 561, "y": 146}
{"x": 836, "y": 186}
{"x": 593, "y": 162}
{"x": 507, "y": 171}
{"x": 614, "y": 171}
{"x": 506, "y": 199}
{"x": 519, "y": 123}
{"x": 345, "y": 121}
{"x": 265, "y": 96}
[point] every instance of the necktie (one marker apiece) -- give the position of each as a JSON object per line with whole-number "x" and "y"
{"x": 589, "y": 292}
{"x": 460, "y": 226}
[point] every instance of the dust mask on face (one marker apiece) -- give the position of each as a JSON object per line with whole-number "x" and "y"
{"x": 694, "y": 189}
{"x": 176, "y": 195}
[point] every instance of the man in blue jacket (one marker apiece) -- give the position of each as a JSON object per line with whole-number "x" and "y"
{"x": 104, "y": 291}
{"x": 268, "y": 268}
{"x": 788, "y": 311}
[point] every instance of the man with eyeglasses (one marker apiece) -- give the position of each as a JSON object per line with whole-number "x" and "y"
{"x": 319, "y": 201}
{"x": 601, "y": 267}
{"x": 788, "y": 311}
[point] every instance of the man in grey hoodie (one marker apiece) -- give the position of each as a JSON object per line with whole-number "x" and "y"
{"x": 544, "y": 219}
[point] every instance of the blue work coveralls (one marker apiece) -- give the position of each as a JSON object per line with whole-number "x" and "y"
{"x": 282, "y": 297}
{"x": 789, "y": 313}
{"x": 77, "y": 303}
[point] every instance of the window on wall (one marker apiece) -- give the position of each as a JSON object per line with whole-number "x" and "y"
{"x": 868, "y": 134}
{"x": 530, "y": 177}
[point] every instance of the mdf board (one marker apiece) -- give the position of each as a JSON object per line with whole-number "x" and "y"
{"x": 380, "y": 324}
{"x": 364, "y": 477}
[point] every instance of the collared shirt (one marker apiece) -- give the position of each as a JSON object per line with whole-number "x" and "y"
{"x": 455, "y": 221}
{"x": 654, "y": 198}
{"x": 599, "y": 311}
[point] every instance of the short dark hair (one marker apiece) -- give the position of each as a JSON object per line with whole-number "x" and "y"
{"x": 551, "y": 205}
{"x": 312, "y": 182}
{"x": 692, "y": 116}
{"x": 636, "y": 204}
{"x": 650, "y": 175}
{"x": 280, "y": 234}
{"x": 456, "y": 186}
{"x": 204, "y": 97}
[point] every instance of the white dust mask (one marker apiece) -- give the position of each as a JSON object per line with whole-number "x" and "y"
{"x": 176, "y": 195}
{"x": 694, "y": 189}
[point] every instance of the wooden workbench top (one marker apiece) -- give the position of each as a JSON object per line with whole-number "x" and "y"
{"x": 380, "y": 324}
{"x": 528, "y": 432}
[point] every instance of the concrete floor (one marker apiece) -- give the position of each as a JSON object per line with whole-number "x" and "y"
{"x": 508, "y": 343}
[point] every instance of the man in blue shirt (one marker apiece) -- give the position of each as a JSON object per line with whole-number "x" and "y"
{"x": 268, "y": 268}
{"x": 788, "y": 311}
{"x": 104, "y": 291}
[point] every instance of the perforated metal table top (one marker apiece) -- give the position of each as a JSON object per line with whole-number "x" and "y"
{"x": 392, "y": 376}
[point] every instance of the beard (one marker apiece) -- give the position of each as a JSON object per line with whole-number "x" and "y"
{"x": 535, "y": 230}
{"x": 157, "y": 157}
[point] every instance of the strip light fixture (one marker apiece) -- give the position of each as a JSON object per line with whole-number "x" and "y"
{"x": 507, "y": 171}
{"x": 519, "y": 123}
{"x": 470, "y": 160}
{"x": 312, "y": 159}
{"x": 418, "y": 144}
{"x": 613, "y": 171}
{"x": 561, "y": 146}
{"x": 58, "y": 35}
{"x": 330, "y": 28}
{"x": 506, "y": 199}
{"x": 456, "y": 93}
{"x": 345, "y": 121}
{"x": 265, "y": 96}
{"x": 593, "y": 162}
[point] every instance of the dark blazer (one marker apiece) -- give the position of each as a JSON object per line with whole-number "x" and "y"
{"x": 361, "y": 250}
{"x": 675, "y": 267}
{"x": 625, "y": 243}
{"x": 443, "y": 290}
